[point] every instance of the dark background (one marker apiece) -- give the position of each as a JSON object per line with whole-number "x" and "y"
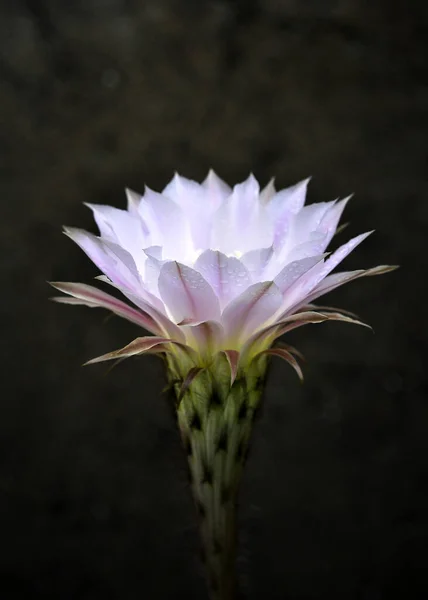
{"x": 97, "y": 95}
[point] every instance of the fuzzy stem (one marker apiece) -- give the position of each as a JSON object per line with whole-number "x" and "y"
{"x": 215, "y": 421}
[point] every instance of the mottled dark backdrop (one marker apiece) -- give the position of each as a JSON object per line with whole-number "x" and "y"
{"x": 97, "y": 95}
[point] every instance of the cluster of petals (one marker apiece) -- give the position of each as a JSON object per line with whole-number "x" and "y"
{"x": 212, "y": 268}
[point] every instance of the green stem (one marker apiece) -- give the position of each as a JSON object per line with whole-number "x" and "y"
{"x": 215, "y": 421}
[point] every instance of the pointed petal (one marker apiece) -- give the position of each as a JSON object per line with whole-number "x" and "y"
{"x": 133, "y": 201}
{"x": 340, "y": 254}
{"x": 111, "y": 259}
{"x": 287, "y": 356}
{"x": 227, "y": 276}
{"x": 93, "y": 297}
{"x": 141, "y": 345}
{"x": 275, "y": 330}
{"x": 288, "y": 325}
{"x": 301, "y": 290}
{"x": 293, "y": 271}
{"x": 331, "y": 218}
{"x": 251, "y": 310}
{"x": 120, "y": 227}
{"x": 341, "y": 228}
{"x": 257, "y": 261}
{"x": 283, "y": 209}
{"x": 189, "y": 195}
{"x": 153, "y": 306}
{"x": 315, "y": 246}
{"x": 216, "y": 189}
{"x": 152, "y": 270}
{"x": 290, "y": 199}
{"x": 183, "y": 191}
{"x": 337, "y": 279}
{"x": 187, "y": 294}
{"x": 309, "y": 218}
{"x": 155, "y": 251}
{"x": 193, "y": 372}
{"x": 268, "y": 192}
{"x": 233, "y": 360}
{"x": 323, "y": 309}
{"x": 167, "y": 223}
{"x": 207, "y": 336}
{"x": 242, "y": 222}
{"x": 291, "y": 349}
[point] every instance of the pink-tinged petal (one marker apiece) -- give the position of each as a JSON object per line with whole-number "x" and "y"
{"x": 323, "y": 309}
{"x": 294, "y": 271}
{"x": 187, "y": 294}
{"x": 340, "y": 254}
{"x": 267, "y": 335}
{"x": 110, "y": 258}
{"x": 337, "y": 279}
{"x": 301, "y": 290}
{"x": 289, "y": 324}
{"x": 227, "y": 276}
{"x": 93, "y": 297}
{"x": 193, "y": 372}
{"x": 144, "y": 299}
{"x": 291, "y": 349}
{"x": 233, "y": 360}
{"x": 257, "y": 262}
{"x": 153, "y": 306}
{"x": 285, "y": 355}
{"x": 251, "y": 310}
{"x": 142, "y": 345}
{"x": 120, "y": 227}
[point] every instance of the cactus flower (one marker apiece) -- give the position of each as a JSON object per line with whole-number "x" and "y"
{"x": 216, "y": 275}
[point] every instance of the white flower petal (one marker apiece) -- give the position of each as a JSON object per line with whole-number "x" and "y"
{"x": 93, "y": 297}
{"x": 216, "y": 191}
{"x": 257, "y": 261}
{"x": 121, "y": 228}
{"x": 331, "y": 218}
{"x": 268, "y": 192}
{"x": 294, "y": 271}
{"x": 189, "y": 195}
{"x": 227, "y": 276}
{"x": 167, "y": 224}
{"x": 250, "y": 310}
{"x": 288, "y": 200}
{"x": 242, "y": 223}
{"x": 110, "y": 258}
{"x": 186, "y": 294}
{"x": 304, "y": 286}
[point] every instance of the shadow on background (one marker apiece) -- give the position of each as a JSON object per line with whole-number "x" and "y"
{"x": 97, "y": 95}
